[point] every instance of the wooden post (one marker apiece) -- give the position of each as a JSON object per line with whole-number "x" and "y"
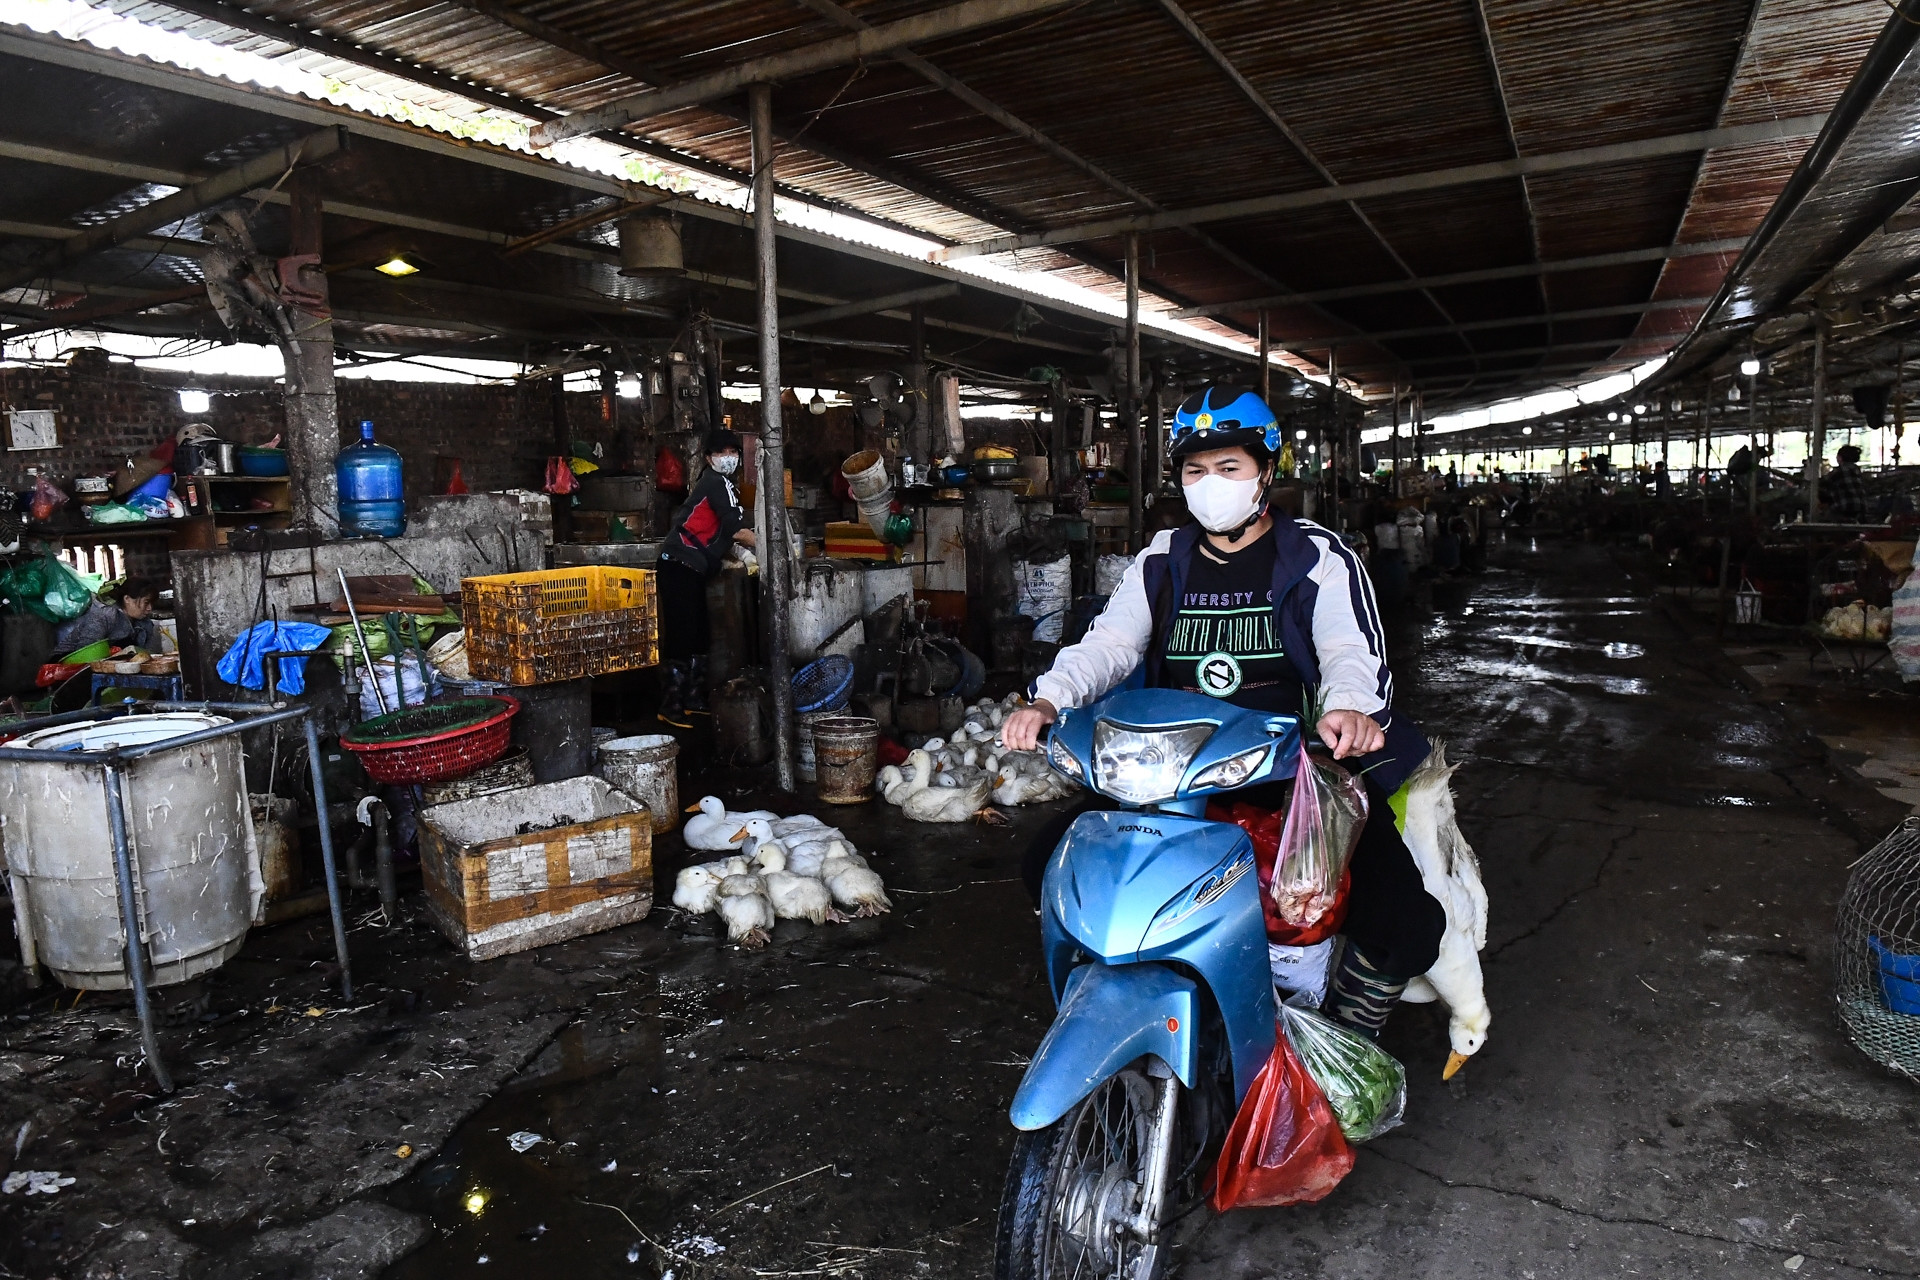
{"x": 313, "y": 413}
{"x": 1130, "y": 406}
{"x": 775, "y": 549}
{"x": 1817, "y": 434}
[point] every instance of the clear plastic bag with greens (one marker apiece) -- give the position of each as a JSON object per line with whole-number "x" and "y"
{"x": 1324, "y": 819}
{"x": 1364, "y": 1084}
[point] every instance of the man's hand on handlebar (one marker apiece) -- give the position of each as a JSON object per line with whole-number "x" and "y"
{"x": 1350, "y": 733}
{"x": 1021, "y": 730}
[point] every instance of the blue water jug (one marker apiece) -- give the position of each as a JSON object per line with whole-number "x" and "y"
{"x": 372, "y": 502}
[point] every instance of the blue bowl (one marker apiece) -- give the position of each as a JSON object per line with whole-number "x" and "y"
{"x": 261, "y": 462}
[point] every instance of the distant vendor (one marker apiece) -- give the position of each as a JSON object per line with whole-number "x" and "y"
{"x": 705, "y": 529}
{"x": 124, "y": 617}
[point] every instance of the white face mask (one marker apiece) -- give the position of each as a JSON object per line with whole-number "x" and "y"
{"x": 726, "y": 464}
{"x": 1220, "y": 504}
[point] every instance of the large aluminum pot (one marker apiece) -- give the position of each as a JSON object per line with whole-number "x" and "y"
{"x": 190, "y": 836}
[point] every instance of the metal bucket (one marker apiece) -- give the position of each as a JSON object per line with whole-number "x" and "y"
{"x": 189, "y": 833}
{"x": 846, "y": 752}
{"x": 646, "y": 767}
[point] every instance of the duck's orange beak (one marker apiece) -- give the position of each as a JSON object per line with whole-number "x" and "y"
{"x": 741, "y": 834}
{"x": 1455, "y": 1061}
{"x": 693, "y": 808}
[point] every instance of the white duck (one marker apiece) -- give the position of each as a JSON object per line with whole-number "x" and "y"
{"x": 1451, "y": 873}
{"x": 887, "y": 780}
{"x": 801, "y": 854}
{"x": 748, "y": 911}
{"x": 713, "y": 827}
{"x": 961, "y": 803}
{"x": 697, "y": 889}
{"x": 794, "y": 896}
{"x": 853, "y": 884}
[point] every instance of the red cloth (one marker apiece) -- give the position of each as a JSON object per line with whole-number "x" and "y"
{"x": 1263, "y": 826}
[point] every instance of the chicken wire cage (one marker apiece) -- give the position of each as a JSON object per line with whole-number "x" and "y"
{"x": 1877, "y": 952}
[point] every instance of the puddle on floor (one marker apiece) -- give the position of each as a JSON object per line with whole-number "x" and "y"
{"x": 1611, "y": 649}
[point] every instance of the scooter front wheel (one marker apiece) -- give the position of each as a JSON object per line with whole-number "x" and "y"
{"x": 1086, "y": 1196}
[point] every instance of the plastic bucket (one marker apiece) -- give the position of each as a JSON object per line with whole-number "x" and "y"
{"x": 804, "y": 722}
{"x": 646, "y": 767}
{"x": 866, "y": 474}
{"x": 845, "y": 757}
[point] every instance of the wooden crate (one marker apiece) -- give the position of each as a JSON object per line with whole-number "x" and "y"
{"x": 493, "y": 890}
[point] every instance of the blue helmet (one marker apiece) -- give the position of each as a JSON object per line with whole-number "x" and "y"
{"x": 1220, "y": 418}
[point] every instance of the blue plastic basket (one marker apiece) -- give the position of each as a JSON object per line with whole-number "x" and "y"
{"x": 1899, "y": 977}
{"x": 823, "y": 685}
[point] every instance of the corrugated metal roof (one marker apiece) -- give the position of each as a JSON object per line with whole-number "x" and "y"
{"x": 1392, "y": 88}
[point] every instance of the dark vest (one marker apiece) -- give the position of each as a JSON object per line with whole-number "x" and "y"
{"x": 1294, "y": 596}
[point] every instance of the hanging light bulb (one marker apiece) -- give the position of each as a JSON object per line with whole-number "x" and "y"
{"x": 817, "y": 405}
{"x": 628, "y": 388}
{"x": 1612, "y": 436}
{"x": 1526, "y": 431}
{"x": 1301, "y": 434}
{"x": 195, "y": 401}
{"x": 1612, "y": 416}
{"x": 1750, "y": 367}
{"x": 1639, "y": 411}
{"x": 1733, "y": 393}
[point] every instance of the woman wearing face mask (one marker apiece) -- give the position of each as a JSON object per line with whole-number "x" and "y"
{"x": 704, "y": 530}
{"x": 1257, "y": 611}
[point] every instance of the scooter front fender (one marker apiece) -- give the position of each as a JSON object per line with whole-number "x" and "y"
{"x": 1109, "y": 1015}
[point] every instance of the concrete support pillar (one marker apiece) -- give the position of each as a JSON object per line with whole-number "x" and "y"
{"x": 775, "y": 548}
{"x": 313, "y": 414}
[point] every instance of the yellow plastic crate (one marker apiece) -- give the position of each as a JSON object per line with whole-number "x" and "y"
{"x": 560, "y": 624}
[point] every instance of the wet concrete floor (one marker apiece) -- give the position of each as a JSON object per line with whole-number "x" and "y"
{"x": 1664, "y": 1091}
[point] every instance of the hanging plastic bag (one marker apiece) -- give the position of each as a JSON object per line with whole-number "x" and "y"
{"x": 1285, "y": 1145}
{"x": 46, "y": 589}
{"x": 1324, "y": 819}
{"x": 47, "y": 499}
{"x": 1364, "y": 1084}
{"x": 1263, "y": 828}
{"x": 669, "y": 473}
{"x": 560, "y": 477}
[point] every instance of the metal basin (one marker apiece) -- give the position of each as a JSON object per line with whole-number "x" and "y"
{"x": 190, "y": 836}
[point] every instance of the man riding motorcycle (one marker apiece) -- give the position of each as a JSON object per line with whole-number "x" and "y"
{"x": 1257, "y": 611}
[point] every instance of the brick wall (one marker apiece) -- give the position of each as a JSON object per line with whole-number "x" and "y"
{"x": 108, "y": 412}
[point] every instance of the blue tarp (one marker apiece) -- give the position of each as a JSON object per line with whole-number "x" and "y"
{"x": 245, "y": 663}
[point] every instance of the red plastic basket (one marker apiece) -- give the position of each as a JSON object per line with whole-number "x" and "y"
{"x": 437, "y": 757}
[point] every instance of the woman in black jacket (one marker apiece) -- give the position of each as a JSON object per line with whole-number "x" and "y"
{"x": 704, "y": 530}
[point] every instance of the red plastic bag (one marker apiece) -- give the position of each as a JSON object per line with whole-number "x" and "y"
{"x": 1263, "y": 828}
{"x": 1285, "y": 1146}
{"x": 47, "y": 499}
{"x": 1324, "y": 820}
{"x": 560, "y": 477}
{"x": 669, "y": 473}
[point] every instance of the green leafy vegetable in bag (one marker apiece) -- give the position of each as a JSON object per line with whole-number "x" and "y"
{"x": 1364, "y": 1084}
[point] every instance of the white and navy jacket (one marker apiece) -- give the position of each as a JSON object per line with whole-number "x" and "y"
{"x": 1323, "y": 612}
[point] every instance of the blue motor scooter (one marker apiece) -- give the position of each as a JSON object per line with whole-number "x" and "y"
{"x": 1156, "y": 951}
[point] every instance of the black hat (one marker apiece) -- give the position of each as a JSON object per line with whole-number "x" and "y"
{"x": 719, "y": 440}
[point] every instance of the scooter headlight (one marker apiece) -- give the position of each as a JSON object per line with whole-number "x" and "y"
{"x": 1233, "y": 771}
{"x": 1144, "y": 766}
